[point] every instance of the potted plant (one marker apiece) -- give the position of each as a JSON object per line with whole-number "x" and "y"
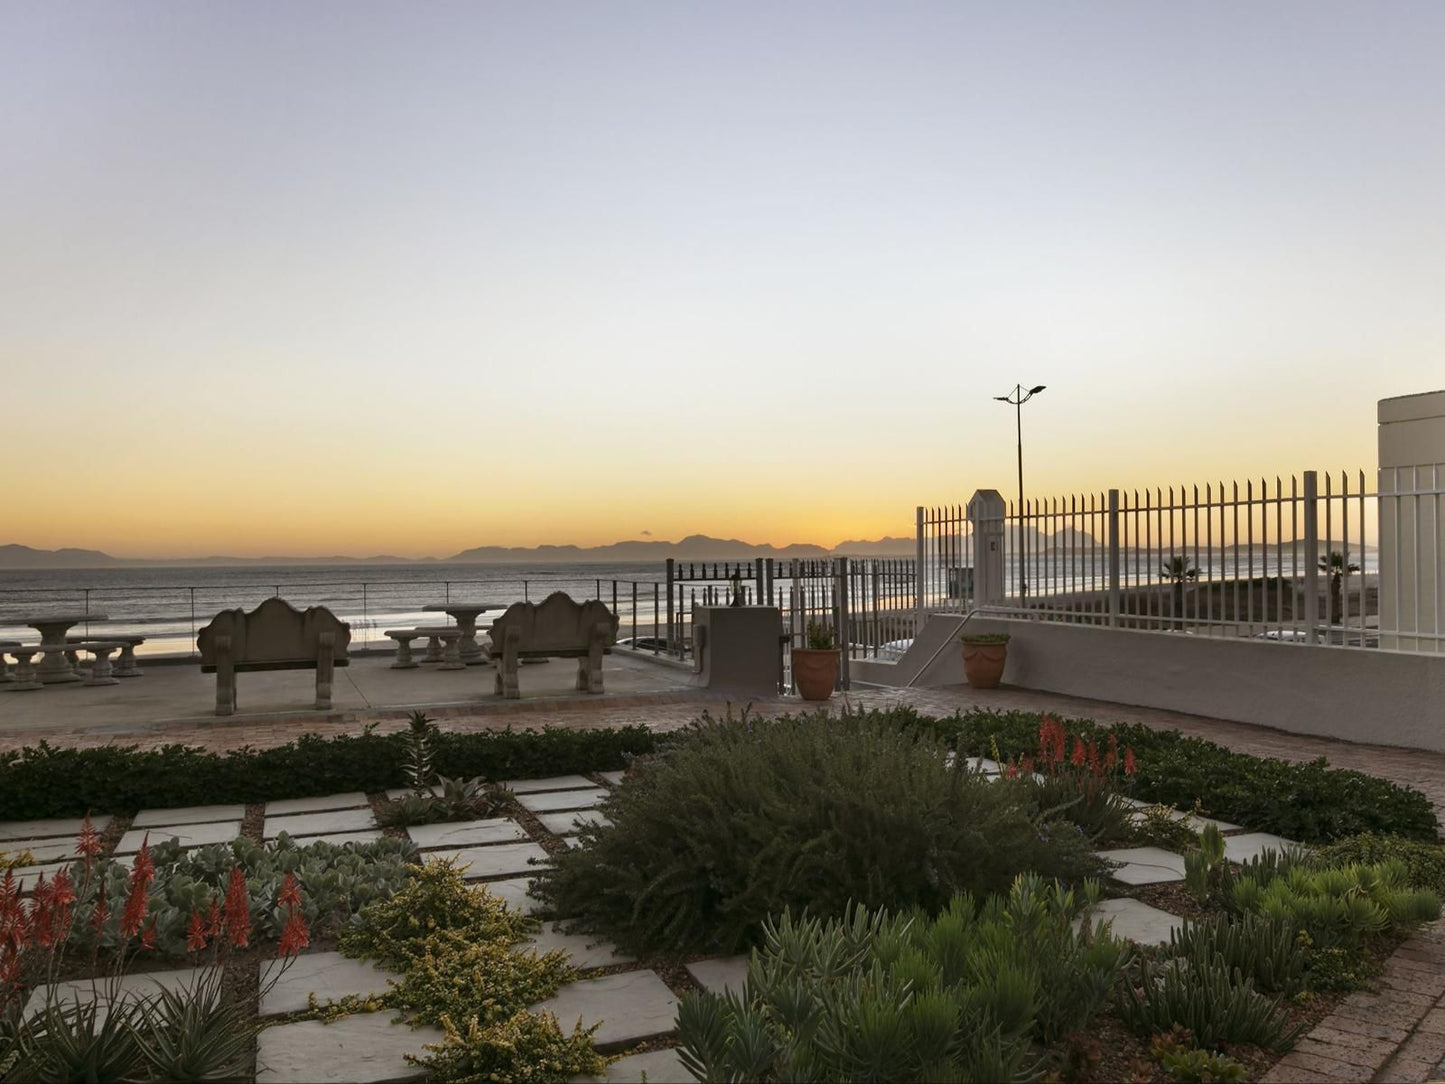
{"x": 815, "y": 667}
{"x": 983, "y": 658}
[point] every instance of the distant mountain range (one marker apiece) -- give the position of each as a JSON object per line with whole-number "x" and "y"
{"x": 697, "y": 547}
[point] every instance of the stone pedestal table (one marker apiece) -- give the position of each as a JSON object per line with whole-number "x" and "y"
{"x": 6, "y": 645}
{"x": 449, "y": 635}
{"x": 54, "y": 668}
{"x": 465, "y": 615}
{"x": 25, "y": 679}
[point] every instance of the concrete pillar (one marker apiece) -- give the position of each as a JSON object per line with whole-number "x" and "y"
{"x": 986, "y": 518}
{"x": 1412, "y": 536}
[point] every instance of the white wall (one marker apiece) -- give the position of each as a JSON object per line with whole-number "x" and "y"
{"x": 1364, "y": 696}
{"x": 1412, "y": 536}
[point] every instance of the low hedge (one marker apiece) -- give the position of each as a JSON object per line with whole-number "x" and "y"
{"x": 43, "y": 781}
{"x": 1309, "y": 802}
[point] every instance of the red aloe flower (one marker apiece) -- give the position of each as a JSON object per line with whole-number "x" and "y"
{"x": 1130, "y": 764}
{"x": 42, "y": 912}
{"x": 295, "y": 936}
{"x": 290, "y": 895}
{"x": 238, "y": 910}
{"x": 1027, "y": 767}
{"x": 196, "y": 934}
{"x": 144, "y": 870}
{"x": 89, "y": 844}
{"x": 63, "y": 888}
{"x": 134, "y": 912}
{"x": 213, "y": 920}
{"x": 1078, "y": 756}
{"x": 1011, "y": 770}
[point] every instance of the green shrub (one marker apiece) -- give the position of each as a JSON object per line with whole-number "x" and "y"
{"x": 44, "y": 781}
{"x": 744, "y": 819}
{"x": 1310, "y": 802}
{"x": 1154, "y": 827}
{"x": 1267, "y": 950}
{"x": 1205, "y": 995}
{"x": 1424, "y": 862}
{"x": 1339, "y": 908}
{"x": 897, "y": 996}
{"x": 435, "y": 900}
{"x": 1185, "y": 1064}
{"x": 523, "y": 1049}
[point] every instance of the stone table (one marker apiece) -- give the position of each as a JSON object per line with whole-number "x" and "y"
{"x": 465, "y": 614}
{"x": 54, "y": 668}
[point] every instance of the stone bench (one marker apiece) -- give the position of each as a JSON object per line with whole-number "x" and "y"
{"x": 443, "y": 646}
{"x": 101, "y": 672}
{"x": 25, "y": 679}
{"x": 558, "y": 627}
{"x": 125, "y": 664}
{"x": 274, "y": 636}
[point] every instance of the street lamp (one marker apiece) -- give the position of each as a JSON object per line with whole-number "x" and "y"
{"x": 1018, "y": 397}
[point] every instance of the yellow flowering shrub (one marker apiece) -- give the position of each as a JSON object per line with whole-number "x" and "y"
{"x": 521, "y": 1048}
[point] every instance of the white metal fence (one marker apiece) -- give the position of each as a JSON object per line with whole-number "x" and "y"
{"x": 1317, "y": 558}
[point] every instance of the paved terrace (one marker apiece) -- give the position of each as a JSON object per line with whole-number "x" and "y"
{"x": 172, "y": 703}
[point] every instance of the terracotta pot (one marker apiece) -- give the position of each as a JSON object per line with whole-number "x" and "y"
{"x": 815, "y": 671}
{"x": 983, "y": 664}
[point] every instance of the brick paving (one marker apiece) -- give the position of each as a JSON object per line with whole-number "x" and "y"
{"x": 1394, "y": 1034}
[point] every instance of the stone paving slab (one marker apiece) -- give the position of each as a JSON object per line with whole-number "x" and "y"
{"x": 628, "y": 1007}
{"x": 340, "y": 839}
{"x": 139, "y": 984}
{"x": 496, "y": 860}
{"x": 1134, "y": 920}
{"x": 43, "y": 850}
{"x": 563, "y": 799}
{"x": 315, "y": 824}
{"x": 352, "y": 799}
{"x": 329, "y": 975}
{"x": 564, "y": 824}
{"x": 615, "y": 778}
{"x": 194, "y": 814}
{"x": 983, "y": 764}
{"x": 48, "y": 828}
{"x": 1145, "y": 865}
{"x": 462, "y": 833}
{"x": 188, "y": 835}
{"x": 720, "y": 975}
{"x": 573, "y": 842}
{"x": 361, "y": 1049}
{"x": 26, "y": 876}
{"x": 1251, "y": 844}
{"x": 555, "y": 782}
{"x": 514, "y": 893}
{"x": 585, "y": 950}
{"x": 1199, "y": 823}
{"x": 653, "y": 1066}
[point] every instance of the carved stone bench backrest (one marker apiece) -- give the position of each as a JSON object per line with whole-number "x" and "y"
{"x": 274, "y": 631}
{"x": 555, "y": 624}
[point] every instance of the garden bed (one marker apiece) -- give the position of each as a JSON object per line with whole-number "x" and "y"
{"x": 866, "y": 810}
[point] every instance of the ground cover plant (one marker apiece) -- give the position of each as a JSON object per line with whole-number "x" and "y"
{"x": 742, "y": 819}
{"x": 1310, "y": 802}
{"x": 194, "y": 1033}
{"x": 458, "y": 950}
{"x": 45, "y": 781}
{"x": 897, "y": 995}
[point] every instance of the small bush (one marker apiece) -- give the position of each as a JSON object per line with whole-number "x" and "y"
{"x": 1205, "y": 995}
{"x": 742, "y": 820}
{"x": 1339, "y": 908}
{"x": 1155, "y": 827}
{"x": 435, "y": 900}
{"x": 896, "y": 996}
{"x": 1424, "y": 862}
{"x": 1269, "y": 951}
{"x": 1185, "y": 1064}
{"x": 523, "y": 1049}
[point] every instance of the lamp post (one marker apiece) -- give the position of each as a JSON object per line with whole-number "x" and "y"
{"x": 1018, "y": 397}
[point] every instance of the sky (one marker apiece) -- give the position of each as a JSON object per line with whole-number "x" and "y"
{"x": 349, "y": 277}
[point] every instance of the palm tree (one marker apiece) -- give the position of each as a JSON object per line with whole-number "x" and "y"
{"x": 1177, "y": 570}
{"x": 1337, "y": 565}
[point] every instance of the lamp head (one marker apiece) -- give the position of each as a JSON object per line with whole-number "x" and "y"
{"x": 1035, "y": 391}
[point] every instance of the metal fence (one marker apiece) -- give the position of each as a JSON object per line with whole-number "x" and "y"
{"x": 1315, "y": 559}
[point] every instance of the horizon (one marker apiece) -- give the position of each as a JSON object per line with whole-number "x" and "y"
{"x": 354, "y": 278}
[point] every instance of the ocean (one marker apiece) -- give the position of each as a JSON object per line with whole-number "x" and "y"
{"x": 168, "y": 604}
